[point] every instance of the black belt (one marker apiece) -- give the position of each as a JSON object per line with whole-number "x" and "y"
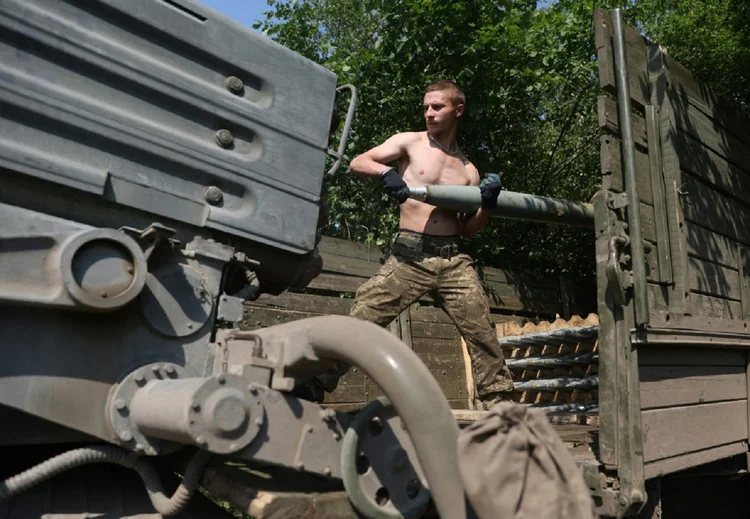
{"x": 410, "y": 247}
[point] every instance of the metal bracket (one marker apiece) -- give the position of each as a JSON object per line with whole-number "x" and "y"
{"x": 151, "y": 236}
{"x": 619, "y": 280}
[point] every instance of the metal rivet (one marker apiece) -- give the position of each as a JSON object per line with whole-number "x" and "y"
{"x": 169, "y": 369}
{"x": 213, "y": 195}
{"x": 234, "y": 85}
{"x": 190, "y": 326}
{"x": 309, "y": 428}
{"x": 224, "y": 138}
{"x": 200, "y": 440}
{"x": 253, "y": 388}
{"x": 327, "y": 471}
{"x": 126, "y": 436}
{"x": 129, "y": 270}
{"x": 104, "y": 295}
{"x": 155, "y": 369}
{"x": 221, "y": 379}
{"x": 300, "y": 465}
{"x": 259, "y": 421}
{"x": 196, "y": 406}
{"x": 139, "y": 378}
{"x": 336, "y": 436}
{"x": 139, "y": 447}
{"x": 120, "y": 404}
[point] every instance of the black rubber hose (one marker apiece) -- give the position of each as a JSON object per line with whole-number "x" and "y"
{"x": 111, "y": 454}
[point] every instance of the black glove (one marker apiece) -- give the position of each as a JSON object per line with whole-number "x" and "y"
{"x": 490, "y": 189}
{"x": 395, "y": 185}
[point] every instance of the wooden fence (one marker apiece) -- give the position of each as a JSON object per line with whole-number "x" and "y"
{"x": 514, "y": 297}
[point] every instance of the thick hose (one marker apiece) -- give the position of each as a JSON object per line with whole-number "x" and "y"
{"x": 411, "y": 388}
{"x": 111, "y": 454}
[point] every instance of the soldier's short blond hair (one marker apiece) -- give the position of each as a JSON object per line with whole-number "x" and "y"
{"x": 451, "y": 88}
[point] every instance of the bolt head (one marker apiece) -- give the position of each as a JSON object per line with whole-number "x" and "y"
{"x": 140, "y": 447}
{"x": 336, "y": 436}
{"x": 221, "y": 379}
{"x": 253, "y": 388}
{"x": 120, "y": 404}
{"x": 224, "y": 138}
{"x": 300, "y": 465}
{"x": 200, "y": 440}
{"x": 155, "y": 369}
{"x": 259, "y": 421}
{"x": 195, "y": 406}
{"x": 327, "y": 471}
{"x": 234, "y": 85}
{"x": 151, "y": 451}
{"x": 126, "y": 436}
{"x": 170, "y": 369}
{"x": 213, "y": 195}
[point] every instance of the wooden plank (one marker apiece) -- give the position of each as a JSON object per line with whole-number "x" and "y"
{"x": 340, "y": 247}
{"x": 700, "y": 95}
{"x": 707, "y": 245}
{"x": 434, "y": 331}
{"x": 743, "y": 262}
{"x": 521, "y": 292}
{"x": 712, "y": 210}
{"x": 668, "y": 386}
{"x": 337, "y": 282}
{"x": 689, "y": 356}
{"x": 679, "y": 296}
{"x": 658, "y": 191}
{"x": 611, "y": 168}
{"x": 635, "y": 55}
{"x": 609, "y": 121}
{"x": 470, "y": 388}
{"x": 680, "y": 430}
{"x": 708, "y": 165}
{"x": 404, "y": 323}
{"x": 715, "y": 307}
{"x": 709, "y": 278}
{"x": 659, "y": 468}
{"x": 350, "y": 266}
{"x": 439, "y": 346}
{"x": 312, "y": 303}
{"x": 514, "y": 277}
{"x": 698, "y": 125}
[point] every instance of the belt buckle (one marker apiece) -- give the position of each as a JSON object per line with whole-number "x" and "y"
{"x": 445, "y": 251}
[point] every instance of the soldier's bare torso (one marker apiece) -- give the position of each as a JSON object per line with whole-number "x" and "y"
{"x": 425, "y": 164}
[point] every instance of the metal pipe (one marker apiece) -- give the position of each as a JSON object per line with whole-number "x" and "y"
{"x": 567, "y": 408}
{"x": 567, "y": 383}
{"x": 406, "y": 381}
{"x": 628, "y": 156}
{"x": 550, "y": 338}
{"x": 557, "y": 361}
{"x": 512, "y": 205}
{"x": 347, "y": 127}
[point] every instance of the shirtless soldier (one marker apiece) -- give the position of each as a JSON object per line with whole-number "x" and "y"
{"x": 425, "y": 256}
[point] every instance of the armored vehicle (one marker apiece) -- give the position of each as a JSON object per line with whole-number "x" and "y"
{"x": 161, "y": 165}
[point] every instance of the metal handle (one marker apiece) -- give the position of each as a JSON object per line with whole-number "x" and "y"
{"x": 339, "y": 154}
{"x": 614, "y": 273}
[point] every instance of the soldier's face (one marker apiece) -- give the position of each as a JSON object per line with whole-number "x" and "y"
{"x": 440, "y": 113}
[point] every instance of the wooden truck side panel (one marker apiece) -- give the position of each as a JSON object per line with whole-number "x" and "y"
{"x": 692, "y": 157}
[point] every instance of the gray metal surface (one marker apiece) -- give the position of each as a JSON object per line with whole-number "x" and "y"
{"x": 169, "y": 108}
{"x": 377, "y": 473}
{"x": 512, "y": 205}
{"x": 405, "y": 380}
{"x": 558, "y": 337}
{"x": 631, "y": 182}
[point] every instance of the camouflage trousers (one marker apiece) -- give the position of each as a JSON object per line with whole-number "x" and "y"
{"x": 422, "y": 264}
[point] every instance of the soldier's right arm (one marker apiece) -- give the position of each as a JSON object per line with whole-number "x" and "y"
{"x": 372, "y": 162}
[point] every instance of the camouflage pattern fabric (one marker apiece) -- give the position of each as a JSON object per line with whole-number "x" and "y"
{"x": 422, "y": 264}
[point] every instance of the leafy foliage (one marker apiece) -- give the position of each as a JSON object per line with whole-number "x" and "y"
{"x": 530, "y": 77}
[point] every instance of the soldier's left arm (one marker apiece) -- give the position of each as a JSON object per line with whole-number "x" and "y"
{"x": 472, "y": 224}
